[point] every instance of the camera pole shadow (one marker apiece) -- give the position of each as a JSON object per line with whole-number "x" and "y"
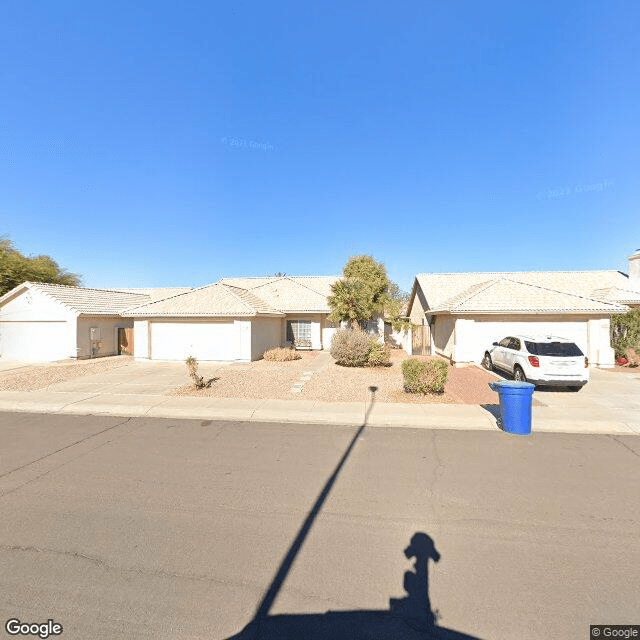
{"x": 408, "y": 618}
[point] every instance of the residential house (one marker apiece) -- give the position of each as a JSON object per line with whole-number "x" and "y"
{"x": 44, "y": 322}
{"x": 461, "y": 314}
{"x": 236, "y": 319}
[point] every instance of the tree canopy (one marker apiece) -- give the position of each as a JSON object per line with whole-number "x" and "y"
{"x": 361, "y": 293}
{"x": 366, "y": 291}
{"x": 16, "y": 268}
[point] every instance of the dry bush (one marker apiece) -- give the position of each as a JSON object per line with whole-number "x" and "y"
{"x": 281, "y": 354}
{"x": 198, "y": 380}
{"x": 350, "y": 347}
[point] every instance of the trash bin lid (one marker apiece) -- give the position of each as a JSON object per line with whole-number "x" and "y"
{"x": 510, "y": 384}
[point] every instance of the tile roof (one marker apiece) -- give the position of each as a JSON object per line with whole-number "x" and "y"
{"x": 616, "y": 294}
{"x": 156, "y": 293}
{"x": 511, "y": 296}
{"x": 290, "y": 293}
{"x": 212, "y": 300}
{"x": 440, "y": 289}
{"x": 88, "y": 301}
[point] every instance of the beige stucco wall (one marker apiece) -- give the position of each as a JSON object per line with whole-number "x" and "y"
{"x": 443, "y": 335}
{"x": 418, "y": 307}
{"x": 265, "y": 334}
{"x": 329, "y": 329}
{"x": 108, "y": 343}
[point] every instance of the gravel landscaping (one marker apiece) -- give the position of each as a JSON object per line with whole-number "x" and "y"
{"x": 263, "y": 380}
{"x": 465, "y": 385}
{"x": 260, "y": 380}
{"x": 39, "y": 377}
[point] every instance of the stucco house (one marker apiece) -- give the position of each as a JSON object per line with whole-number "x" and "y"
{"x": 461, "y": 314}
{"x": 236, "y": 319}
{"x": 44, "y": 322}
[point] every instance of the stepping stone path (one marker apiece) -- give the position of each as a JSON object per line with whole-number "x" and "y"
{"x": 320, "y": 362}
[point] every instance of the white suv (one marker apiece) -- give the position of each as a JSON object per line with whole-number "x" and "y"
{"x": 548, "y": 361}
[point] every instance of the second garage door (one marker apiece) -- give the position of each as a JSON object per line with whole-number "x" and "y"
{"x": 203, "y": 340}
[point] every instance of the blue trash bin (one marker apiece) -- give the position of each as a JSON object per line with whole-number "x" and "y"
{"x": 515, "y": 405}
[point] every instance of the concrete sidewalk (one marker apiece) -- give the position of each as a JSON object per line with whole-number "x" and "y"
{"x": 379, "y": 414}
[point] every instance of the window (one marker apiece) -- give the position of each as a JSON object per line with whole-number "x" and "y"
{"x": 505, "y": 342}
{"x": 299, "y": 332}
{"x": 514, "y": 344}
{"x": 554, "y": 349}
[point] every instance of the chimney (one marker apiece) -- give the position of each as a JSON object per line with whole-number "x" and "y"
{"x": 634, "y": 268}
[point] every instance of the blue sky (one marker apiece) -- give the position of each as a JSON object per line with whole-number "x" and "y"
{"x": 166, "y": 144}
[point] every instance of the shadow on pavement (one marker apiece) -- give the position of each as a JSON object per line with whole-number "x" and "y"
{"x": 494, "y": 410}
{"x": 408, "y": 618}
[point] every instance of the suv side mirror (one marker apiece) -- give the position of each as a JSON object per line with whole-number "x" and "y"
{"x": 495, "y": 344}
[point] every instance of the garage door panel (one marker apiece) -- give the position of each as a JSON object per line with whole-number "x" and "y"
{"x": 488, "y": 332}
{"x": 34, "y": 341}
{"x": 203, "y": 340}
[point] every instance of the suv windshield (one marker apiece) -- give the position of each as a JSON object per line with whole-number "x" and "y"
{"x": 554, "y": 349}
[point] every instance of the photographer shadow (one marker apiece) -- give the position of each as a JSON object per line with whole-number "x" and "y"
{"x": 408, "y": 618}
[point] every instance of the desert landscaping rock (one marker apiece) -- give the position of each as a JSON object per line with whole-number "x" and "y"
{"x": 258, "y": 380}
{"x": 41, "y": 377}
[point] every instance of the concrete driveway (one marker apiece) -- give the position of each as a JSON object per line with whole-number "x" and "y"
{"x": 607, "y": 389}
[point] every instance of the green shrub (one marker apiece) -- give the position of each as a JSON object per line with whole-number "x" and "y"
{"x": 625, "y": 331}
{"x": 281, "y": 354}
{"x": 378, "y": 355}
{"x": 424, "y": 377}
{"x": 350, "y": 347}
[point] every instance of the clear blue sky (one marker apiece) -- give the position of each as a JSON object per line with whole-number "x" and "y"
{"x": 173, "y": 143}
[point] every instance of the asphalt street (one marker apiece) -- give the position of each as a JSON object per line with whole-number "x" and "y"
{"x": 186, "y": 529}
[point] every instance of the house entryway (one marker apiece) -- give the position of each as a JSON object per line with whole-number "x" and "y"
{"x": 125, "y": 341}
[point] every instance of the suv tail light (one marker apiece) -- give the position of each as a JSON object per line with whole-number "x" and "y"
{"x": 533, "y": 361}
{"x": 586, "y": 362}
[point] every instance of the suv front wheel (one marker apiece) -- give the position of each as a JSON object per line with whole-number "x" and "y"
{"x": 518, "y": 375}
{"x": 486, "y": 362}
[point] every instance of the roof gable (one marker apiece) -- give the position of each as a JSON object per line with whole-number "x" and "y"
{"x": 442, "y": 289}
{"x": 511, "y": 296}
{"x": 289, "y": 293}
{"x": 83, "y": 300}
{"x": 212, "y": 300}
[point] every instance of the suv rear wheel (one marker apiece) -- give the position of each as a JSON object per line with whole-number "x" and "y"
{"x": 518, "y": 375}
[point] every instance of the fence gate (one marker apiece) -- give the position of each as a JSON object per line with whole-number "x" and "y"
{"x": 421, "y": 340}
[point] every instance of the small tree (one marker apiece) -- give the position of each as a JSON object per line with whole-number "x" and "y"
{"x": 361, "y": 293}
{"x": 192, "y": 368}
{"x": 395, "y": 308}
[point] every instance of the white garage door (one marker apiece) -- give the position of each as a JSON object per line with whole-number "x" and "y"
{"x": 34, "y": 341}
{"x": 203, "y": 340}
{"x": 488, "y": 332}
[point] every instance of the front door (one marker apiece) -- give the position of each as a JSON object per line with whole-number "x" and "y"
{"x": 125, "y": 341}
